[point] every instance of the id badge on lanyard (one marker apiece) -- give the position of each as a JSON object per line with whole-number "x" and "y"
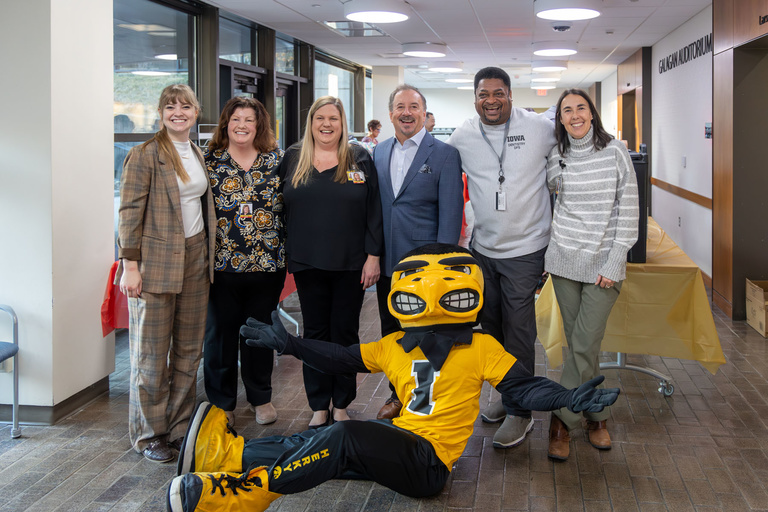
{"x": 501, "y": 195}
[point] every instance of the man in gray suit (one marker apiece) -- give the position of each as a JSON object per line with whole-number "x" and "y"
{"x": 421, "y": 192}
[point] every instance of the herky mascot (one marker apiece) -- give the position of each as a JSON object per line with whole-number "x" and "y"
{"x": 437, "y": 363}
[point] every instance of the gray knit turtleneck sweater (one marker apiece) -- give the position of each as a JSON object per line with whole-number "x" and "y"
{"x": 596, "y": 213}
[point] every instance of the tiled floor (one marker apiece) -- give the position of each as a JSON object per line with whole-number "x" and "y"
{"x": 705, "y": 448}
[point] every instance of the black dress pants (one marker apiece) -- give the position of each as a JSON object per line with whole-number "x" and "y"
{"x": 330, "y": 307}
{"x": 233, "y": 298}
{"x": 364, "y": 450}
{"x": 509, "y": 301}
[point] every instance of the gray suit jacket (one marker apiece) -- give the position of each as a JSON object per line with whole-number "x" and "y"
{"x": 430, "y": 204}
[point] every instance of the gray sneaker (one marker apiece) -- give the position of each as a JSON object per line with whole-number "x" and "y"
{"x": 512, "y": 432}
{"x": 495, "y": 413}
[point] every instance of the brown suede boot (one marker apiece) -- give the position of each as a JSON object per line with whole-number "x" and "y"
{"x": 559, "y": 440}
{"x": 598, "y": 435}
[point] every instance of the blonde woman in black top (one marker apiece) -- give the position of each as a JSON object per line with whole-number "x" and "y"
{"x": 334, "y": 240}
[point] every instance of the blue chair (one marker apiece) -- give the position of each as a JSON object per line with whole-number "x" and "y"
{"x": 7, "y": 351}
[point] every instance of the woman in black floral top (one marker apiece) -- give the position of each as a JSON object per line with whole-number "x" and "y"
{"x": 249, "y": 264}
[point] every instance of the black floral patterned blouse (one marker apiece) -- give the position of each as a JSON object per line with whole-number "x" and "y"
{"x": 250, "y": 236}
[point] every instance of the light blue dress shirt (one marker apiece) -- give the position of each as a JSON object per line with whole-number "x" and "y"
{"x": 402, "y": 157}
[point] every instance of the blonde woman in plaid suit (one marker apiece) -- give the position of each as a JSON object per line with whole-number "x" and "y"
{"x": 165, "y": 235}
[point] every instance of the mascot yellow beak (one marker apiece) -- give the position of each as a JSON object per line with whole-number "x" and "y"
{"x": 431, "y": 289}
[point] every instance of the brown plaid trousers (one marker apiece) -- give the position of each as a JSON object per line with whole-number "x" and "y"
{"x": 167, "y": 322}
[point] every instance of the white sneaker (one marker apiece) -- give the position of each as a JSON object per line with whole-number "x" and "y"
{"x": 512, "y": 432}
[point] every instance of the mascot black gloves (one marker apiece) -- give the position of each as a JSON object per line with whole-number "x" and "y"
{"x": 587, "y": 398}
{"x": 259, "y": 334}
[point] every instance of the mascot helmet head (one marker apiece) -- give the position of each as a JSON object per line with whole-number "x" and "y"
{"x": 436, "y": 284}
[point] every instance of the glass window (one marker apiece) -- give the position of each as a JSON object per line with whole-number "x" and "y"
{"x": 236, "y": 42}
{"x": 153, "y": 48}
{"x": 285, "y": 56}
{"x": 368, "y": 99}
{"x": 280, "y": 120}
{"x": 334, "y": 81}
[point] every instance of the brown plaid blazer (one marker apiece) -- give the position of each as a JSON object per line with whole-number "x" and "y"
{"x": 150, "y": 229}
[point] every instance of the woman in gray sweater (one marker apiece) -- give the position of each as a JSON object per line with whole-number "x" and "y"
{"x": 594, "y": 226}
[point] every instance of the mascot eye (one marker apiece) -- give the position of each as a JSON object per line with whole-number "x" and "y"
{"x": 461, "y": 268}
{"x": 408, "y": 272}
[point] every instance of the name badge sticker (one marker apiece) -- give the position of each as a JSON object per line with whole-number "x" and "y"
{"x": 355, "y": 176}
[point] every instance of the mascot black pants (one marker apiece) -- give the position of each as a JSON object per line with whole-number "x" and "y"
{"x": 366, "y": 450}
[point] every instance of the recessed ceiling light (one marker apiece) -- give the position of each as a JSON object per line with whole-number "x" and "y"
{"x": 567, "y": 10}
{"x": 376, "y": 11}
{"x": 545, "y": 79}
{"x": 167, "y": 56}
{"x": 448, "y": 67}
{"x": 425, "y": 50}
{"x": 549, "y": 66}
{"x": 554, "y": 48}
{"x": 459, "y": 80}
{"x": 542, "y": 86}
{"x": 466, "y": 88}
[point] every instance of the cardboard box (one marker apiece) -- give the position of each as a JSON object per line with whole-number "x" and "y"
{"x": 757, "y": 306}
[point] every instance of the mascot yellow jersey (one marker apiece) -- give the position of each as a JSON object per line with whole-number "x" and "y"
{"x": 440, "y": 406}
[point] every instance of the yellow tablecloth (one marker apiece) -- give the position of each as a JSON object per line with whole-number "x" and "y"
{"x": 662, "y": 310}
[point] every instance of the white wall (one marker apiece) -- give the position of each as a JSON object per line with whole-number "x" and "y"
{"x": 450, "y": 106}
{"x": 25, "y": 195}
{"x": 609, "y": 104}
{"x": 56, "y": 193}
{"x": 385, "y": 80}
{"x": 682, "y": 104}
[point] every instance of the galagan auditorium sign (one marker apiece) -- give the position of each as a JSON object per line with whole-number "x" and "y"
{"x": 687, "y": 53}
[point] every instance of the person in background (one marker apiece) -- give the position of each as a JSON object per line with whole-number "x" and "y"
{"x": 421, "y": 197}
{"x": 429, "y": 125}
{"x": 334, "y": 241}
{"x": 594, "y": 227}
{"x": 551, "y": 113}
{"x": 166, "y": 231}
{"x": 504, "y": 153}
{"x": 249, "y": 263}
{"x": 374, "y": 127}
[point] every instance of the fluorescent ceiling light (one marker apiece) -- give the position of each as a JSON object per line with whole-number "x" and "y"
{"x": 554, "y": 49}
{"x": 426, "y": 50}
{"x": 545, "y": 79}
{"x": 542, "y": 86}
{"x": 459, "y": 80}
{"x": 466, "y": 88}
{"x": 567, "y": 10}
{"x": 150, "y": 73}
{"x": 167, "y": 56}
{"x": 448, "y": 67}
{"x": 376, "y": 11}
{"x": 549, "y": 66}
{"x": 143, "y": 27}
